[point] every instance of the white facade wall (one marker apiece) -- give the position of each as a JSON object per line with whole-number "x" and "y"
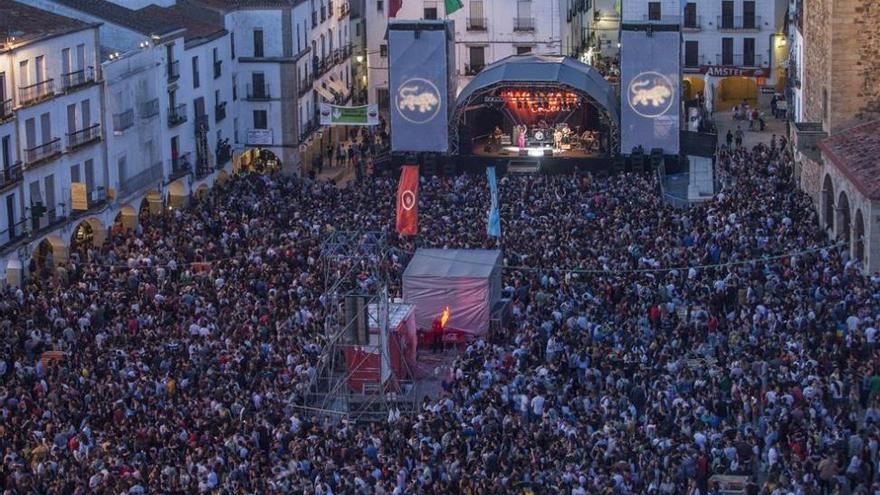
{"x": 637, "y": 10}
{"x": 606, "y": 25}
{"x": 537, "y": 28}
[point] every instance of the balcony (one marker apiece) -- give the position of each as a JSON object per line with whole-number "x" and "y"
{"x": 692, "y": 23}
{"x": 149, "y": 109}
{"x": 177, "y": 115}
{"x": 45, "y": 151}
{"x": 201, "y": 124}
{"x": 6, "y": 112}
{"x": 258, "y": 92}
{"x": 122, "y": 121}
{"x": 223, "y": 155}
{"x": 309, "y": 127}
{"x": 523, "y": 23}
{"x": 142, "y": 180}
{"x": 731, "y": 23}
{"x": 73, "y": 80}
{"x": 740, "y": 60}
{"x": 344, "y": 10}
{"x": 694, "y": 63}
{"x": 340, "y": 54}
{"x": 180, "y": 166}
{"x": 220, "y": 112}
{"x": 305, "y": 85}
{"x": 34, "y": 93}
{"x": 11, "y": 175}
{"x": 83, "y": 137}
{"x": 664, "y": 19}
{"x": 173, "y": 71}
{"x": 476, "y": 23}
{"x": 217, "y": 70}
{"x": 473, "y": 69}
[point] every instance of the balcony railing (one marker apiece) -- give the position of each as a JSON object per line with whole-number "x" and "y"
{"x": 6, "y": 112}
{"x": 83, "y": 137}
{"x": 36, "y": 92}
{"x": 177, "y": 115}
{"x": 123, "y": 120}
{"x": 174, "y": 71}
{"x": 344, "y": 10}
{"x": 732, "y": 23}
{"x": 10, "y": 175}
{"x": 259, "y": 92}
{"x": 694, "y": 63}
{"x": 666, "y": 19}
{"x": 223, "y": 156}
{"x": 180, "y": 166}
{"x": 305, "y": 85}
{"x": 149, "y": 177}
{"x": 42, "y": 152}
{"x": 149, "y": 108}
{"x": 692, "y": 23}
{"x": 476, "y": 23}
{"x": 220, "y": 112}
{"x": 740, "y": 60}
{"x": 73, "y": 80}
{"x": 217, "y": 70}
{"x": 340, "y": 54}
{"x": 309, "y": 127}
{"x": 473, "y": 69}
{"x": 523, "y": 23}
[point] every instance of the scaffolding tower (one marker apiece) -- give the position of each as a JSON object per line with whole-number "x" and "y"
{"x": 355, "y": 266}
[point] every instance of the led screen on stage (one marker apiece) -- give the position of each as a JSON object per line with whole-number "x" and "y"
{"x": 649, "y": 90}
{"x": 418, "y": 88}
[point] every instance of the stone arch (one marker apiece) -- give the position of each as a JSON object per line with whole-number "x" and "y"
{"x": 151, "y": 204}
{"x": 126, "y": 219}
{"x": 48, "y": 254}
{"x": 859, "y": 237}
{"x": 842, "y": 222}
{"x": 828, "y": 204}
{"x": 89, "y": 232}
{"x": 176, "y": 194}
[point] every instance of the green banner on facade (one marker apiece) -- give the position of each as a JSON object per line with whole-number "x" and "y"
{"x": 339, "y": 115}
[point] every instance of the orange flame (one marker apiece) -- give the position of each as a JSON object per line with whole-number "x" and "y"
{"x": 444, "y": 317}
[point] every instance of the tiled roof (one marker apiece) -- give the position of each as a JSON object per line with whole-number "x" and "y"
{"x": 856, "y": 153}
{"x": 28, "y": 23}
{"x": 196, "y": 25}
{"x": 229, "y": 5}
{"x": 140, "y": 21}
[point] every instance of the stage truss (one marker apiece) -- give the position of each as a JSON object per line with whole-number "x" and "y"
{"x": 476, "y": 100}
{"x": 346, "y": 255}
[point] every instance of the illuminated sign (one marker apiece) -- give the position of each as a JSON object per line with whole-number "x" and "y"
{"x": 729, "y": 70}
{"x": 650, "y": 94}
{"x": 418, "y": 100}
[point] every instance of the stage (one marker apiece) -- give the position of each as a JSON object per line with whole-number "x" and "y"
{"x": 484, "y": 148}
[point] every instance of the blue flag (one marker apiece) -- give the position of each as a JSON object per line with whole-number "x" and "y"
{"x": 493, "y": 227}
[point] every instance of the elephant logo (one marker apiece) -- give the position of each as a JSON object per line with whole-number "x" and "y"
{"x": 650, "y": 94}
{"x": 418, "y": 100}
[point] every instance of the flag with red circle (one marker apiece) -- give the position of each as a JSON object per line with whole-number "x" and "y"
{"x": 408, "y": 201}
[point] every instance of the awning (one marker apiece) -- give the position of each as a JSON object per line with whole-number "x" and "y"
{"x": 328, "y": 96}
{"x": 337, "y": 86}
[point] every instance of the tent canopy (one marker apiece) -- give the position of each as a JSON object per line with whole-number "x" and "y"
{"x": 466, "y": 280}
{"x": 546, "y": 69}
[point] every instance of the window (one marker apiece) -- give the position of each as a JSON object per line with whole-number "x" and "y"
{"x": 690, "y": 15}
{"x": 727, "y": 14}
{"x": 430, "y": 12}
{"x": 74, "y": 173}
{"x": 232, "y": 44}
{"x": 40, "y": 66}
{"x": 260, "y": 119}
{"x": 383, "y": 50}
{"x": 691, "y": 54}
{"x": 195, "y": 66}
{"x": 258, "y": 42}
{"x": 522, "y": 50}
{"x": 749, "y": 52}
{"x": 382, "y": 98}
{"x": 824, "y": 104}
{"x": 726, "y": 51}
{"x": 749, "y": 15}
{"x": 653, "y": 11}
{"x": 235, "y": 130}
{"x": 477, "y": 59}
{"x": 234, "y": 88}
{"x": 380, "y": 5}
{"x": 216, "y": 97}
{"x": 215, "y": 56}
{"x": 89, "y": 167}
{"x": 80, "y": 56}
{"x": 65, "y": 61}
{"x": 357, "y": 29}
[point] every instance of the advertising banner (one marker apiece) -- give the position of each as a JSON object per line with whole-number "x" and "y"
{"x": 408, "y": 201}
{"x": 339, "y": 115}
{"x": 79, "y": 200}
{"x": 650, "y": 91}
{"x": 259, "y": 137}
{"x": 418, "y": 87}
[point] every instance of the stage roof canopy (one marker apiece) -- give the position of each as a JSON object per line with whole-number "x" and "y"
{"x": 545, "y": 69}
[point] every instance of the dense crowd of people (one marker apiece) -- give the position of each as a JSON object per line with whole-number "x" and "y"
{"x": 650, "y": 347}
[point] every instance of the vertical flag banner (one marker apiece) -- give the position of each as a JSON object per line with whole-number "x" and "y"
{"x": 452, "y": 6}
{"x": 493, "y": 227}
{"x": 408, "y": 201}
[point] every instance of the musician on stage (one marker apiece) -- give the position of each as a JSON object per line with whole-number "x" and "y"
{"x": 521, "y": 138}
{"x": 496, "y": 136}
{"x": 557, "y": 139}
